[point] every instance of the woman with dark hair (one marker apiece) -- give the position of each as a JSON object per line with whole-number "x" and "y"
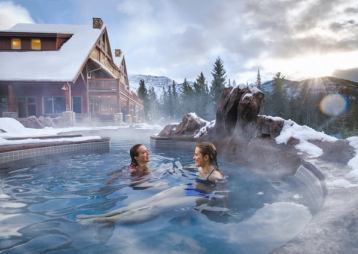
{"x": 139, "y": 160}
{"x": 139, "y": 165}
{"x": 205, "y": 157}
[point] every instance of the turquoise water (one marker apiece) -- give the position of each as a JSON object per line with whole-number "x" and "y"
{"x": 40, "y": 205}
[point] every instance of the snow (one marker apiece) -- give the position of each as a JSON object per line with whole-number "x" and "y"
{"x": 353, "y": 163}
{"x": 274, "y": 118}
{"x": 204, "y": 130}
{"x": 196, "y": 117}
{"x": 60, "y": 65}
{"x": 340, "y": 183}
{"x": 303, "y": 134}
{"x": 248, "y": 95}
{"x": 48, "y": 140}
{"x": 14, "y": 128}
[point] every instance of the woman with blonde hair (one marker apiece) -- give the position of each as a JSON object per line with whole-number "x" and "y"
{"x": 205, "y": 157}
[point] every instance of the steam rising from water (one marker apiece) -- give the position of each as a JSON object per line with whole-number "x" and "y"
{"x": 333, "y": 104}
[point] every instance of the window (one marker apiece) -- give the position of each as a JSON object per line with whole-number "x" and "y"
{"x": 54, "y": 105}
{"x": 15, "y": 43}
{"x": 76, "y": 104}
{"x": 36, "y": 44}
{"x": 26, "y": 106}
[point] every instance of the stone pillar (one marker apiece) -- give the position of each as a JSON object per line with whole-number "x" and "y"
{"x": 69, "y": 117}
{"x": 118, "y": 118}
{"x": 129, "y": 118}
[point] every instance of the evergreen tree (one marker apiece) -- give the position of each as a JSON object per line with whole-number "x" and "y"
{"x": 143, "y": 95}
{"x": 187, "y": 97}
{"x": 280, "y": 105}
{"x": 258, "y": 79}
{"x": 175, "y": 100}
{"x": 218, "y": 82}
{"x": 164, "y": 105}
{"x": 153, "y": 104}
{"x": 170, "y": 108}
{"x": 202, "y": 95}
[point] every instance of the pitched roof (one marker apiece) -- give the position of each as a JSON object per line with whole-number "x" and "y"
{"x": 61, "y": 65}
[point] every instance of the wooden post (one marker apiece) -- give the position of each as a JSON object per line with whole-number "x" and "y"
{"x": 12, "y": 99}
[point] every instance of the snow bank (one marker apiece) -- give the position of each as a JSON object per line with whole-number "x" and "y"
{"x": 48, "y": 140}
{"x": 197, "y": 118}
{"x": 303, "y": 134}
{"x": 340, "y": 183}
{"x": 204, "y": 130}
{"x": 14, "y": 128}
{"x": 353, "y": 163}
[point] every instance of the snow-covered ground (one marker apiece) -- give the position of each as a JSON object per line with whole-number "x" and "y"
{"x": 12, "y": 128}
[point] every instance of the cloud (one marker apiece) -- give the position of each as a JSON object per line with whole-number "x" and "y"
{"x": 183, "y": 38}
{"x": 11, "y": 14}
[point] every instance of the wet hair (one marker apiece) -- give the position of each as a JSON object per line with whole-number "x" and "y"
{"x": 209, "y": 149}
{"x": 133, "y": 152}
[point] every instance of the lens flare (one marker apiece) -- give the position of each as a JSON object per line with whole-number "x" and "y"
{"x": 333, "y": 104}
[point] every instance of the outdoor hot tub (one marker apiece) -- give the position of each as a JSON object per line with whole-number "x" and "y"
{"x": 40, "y": 204}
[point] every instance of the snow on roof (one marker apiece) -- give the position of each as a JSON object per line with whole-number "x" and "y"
{"x": 61, "y": 65}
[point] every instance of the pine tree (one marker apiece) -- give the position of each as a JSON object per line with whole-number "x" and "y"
{"x": 258, "y": 79}
{"x": 170, "y": 102}
{"x": 279, "y": 96}
{"x": 175, "y": 100}
{"x": 164, "y": 104}
{"x": 143, "y": 95}
{"x": 187, "y": 97}
{"x": 142, "y": 90}
{"x": 218, "y": 82}
{"x": 201, "y": 94}
{"x": 153, "y": 104}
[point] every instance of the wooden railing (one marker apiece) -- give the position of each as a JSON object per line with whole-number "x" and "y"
{"x": 103, "y": 85}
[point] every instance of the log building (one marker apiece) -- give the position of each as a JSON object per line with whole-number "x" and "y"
{"x": 46, "y": 70}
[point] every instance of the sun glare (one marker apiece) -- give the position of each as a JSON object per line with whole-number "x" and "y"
{"x": 314, "y": 65}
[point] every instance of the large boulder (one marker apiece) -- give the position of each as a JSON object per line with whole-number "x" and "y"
{"x": 238, "y": 111}
{"x": 31, "y": 122}
{"x": 187, "y": 128}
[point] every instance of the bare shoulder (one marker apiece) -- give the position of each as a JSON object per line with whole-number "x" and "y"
{"x": 216, "y": 176}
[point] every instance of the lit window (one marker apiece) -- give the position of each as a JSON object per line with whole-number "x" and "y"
{"x": 36, "y": 44}
{"x": 15, "y": 44}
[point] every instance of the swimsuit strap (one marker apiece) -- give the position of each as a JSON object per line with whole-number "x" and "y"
{"x": 207, "y": 178}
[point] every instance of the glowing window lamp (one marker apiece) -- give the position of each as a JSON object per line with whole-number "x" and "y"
{"x": 15, "y": 43}
{"x": 36, "y": 44}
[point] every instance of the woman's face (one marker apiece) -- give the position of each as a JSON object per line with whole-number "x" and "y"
{"x": 199, "y": 159}
{"x": 143, "y": 155}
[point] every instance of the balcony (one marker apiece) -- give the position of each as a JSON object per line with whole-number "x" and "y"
{"x": 103, "y": 85}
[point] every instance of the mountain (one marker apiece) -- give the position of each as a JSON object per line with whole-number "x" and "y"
{"x": 327, "y": 103}
{"x": 351, "y": 74}
{"x": 150, "y": 81}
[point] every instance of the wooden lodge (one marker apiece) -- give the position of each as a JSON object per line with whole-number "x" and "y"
{"x": 46, "y": 70}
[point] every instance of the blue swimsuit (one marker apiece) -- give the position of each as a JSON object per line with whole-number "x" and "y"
{"x": 191, "y": 189}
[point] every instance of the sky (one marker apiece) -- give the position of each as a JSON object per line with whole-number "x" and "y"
{"x": 181, "y": 38}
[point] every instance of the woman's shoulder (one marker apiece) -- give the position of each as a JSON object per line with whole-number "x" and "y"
{"x": 216, "y": 176}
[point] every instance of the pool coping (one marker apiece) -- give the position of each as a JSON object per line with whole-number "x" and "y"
{"x": 13, "y": 153}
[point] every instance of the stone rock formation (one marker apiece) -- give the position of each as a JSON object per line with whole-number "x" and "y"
{"x": 187, "y": 128}
{"x": 31, "y": 122}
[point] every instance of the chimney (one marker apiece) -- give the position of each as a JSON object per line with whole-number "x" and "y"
{"x": 117, "y": 52}
{"x": 97, "y": 23}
